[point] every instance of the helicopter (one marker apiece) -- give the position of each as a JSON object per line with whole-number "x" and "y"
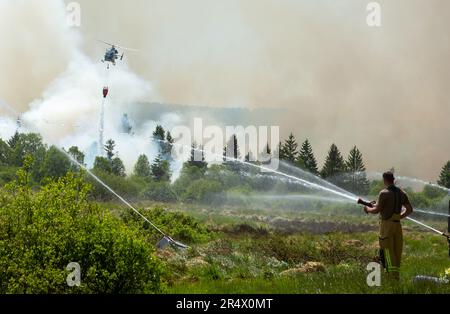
{"x": 112, "y": 54}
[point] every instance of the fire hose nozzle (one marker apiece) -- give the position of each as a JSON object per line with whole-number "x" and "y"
{"x": 363, "y": 202}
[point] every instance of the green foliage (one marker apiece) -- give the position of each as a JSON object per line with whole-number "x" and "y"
{"x": 7, "y": 174}
{"x": 12, "y": 142}
{"x": 202, "y": 190}
{"x": 160, "y": 136}
{"x": 76, "y": 154}
{"x": 159, "y": 192}
{"x": 28, "y": 144}
{"x": 231, "y": 153}
{"x": 102, "y": 164}
{"x": 117, "y": 167}
{"x": 109, "y": 149}
{"x": 419, "y": 200}
{"x": 142, "y": 168}
{"x": 197, "y": 158}
{"x": 306, "y": 158}
{"x": 167, "y": 147}
{"x": 126, "y": 187}
{"x": 334, "y": 165}
{"x": 182, "y": 227}
{"x": 375, "y": 187}
{"x": 432, "y": 192}
{"x": 444, "y": 177}
{"x": 355, "y": 177}
{"x": 5, "y": 153}
{"x": 289, "y": 149}
{"x": 161, "y": 169}
{"x": 159, "y": 133}
{"x": 55, "y": 164}
{"x": 41, "y": 233}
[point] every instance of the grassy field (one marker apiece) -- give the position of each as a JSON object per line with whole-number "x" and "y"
{"x": 246, "y": 252}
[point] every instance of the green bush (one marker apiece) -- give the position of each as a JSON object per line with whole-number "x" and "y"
{"x": 179, "y": 225}
{"x": 202, "y": 190}
{"x": 7, "y": 174}
{"x": 42, "y": 232}
{"x": 125, "y": 187}
{"x": 159, "y": 192}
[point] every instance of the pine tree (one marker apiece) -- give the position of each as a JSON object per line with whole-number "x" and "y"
{"x": 266, "y": 155}
{"x": 159, "y": 135}
{"x": 334, "y": 165}
{"x": 117, "y": 167}
{"x": 142, "y": 167}
{"x": 247, "y": 157}
{"x": 14, "y": 140}
{"x": 356, "y": 180}
{"x": 444, "y": 177}
{"x": 160, "y": 169}
{"x": 306, "y": 158}
{"x": 289, "y": 149}
{"x": 197, "y": 158}
{"x": 278, "y": 153}
{"x": 168, "y": 145}
{"x": 231, "y": 151}
{"x": 5, "y": 153}
{"x": 109, "y": 149}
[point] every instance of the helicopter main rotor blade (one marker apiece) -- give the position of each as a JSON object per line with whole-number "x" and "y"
{"x": 125, "y": 48}
{"x": 118, "y": 46}
{"x": 109, "y": 44}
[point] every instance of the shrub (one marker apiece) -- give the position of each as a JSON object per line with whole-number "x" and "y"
{"x": 42, "y": 232}
{"x": 126, "y": 187}
{"x": 159, "y": 192}
{"x": 202, "y": 190}
{"x": 179, "y": 225}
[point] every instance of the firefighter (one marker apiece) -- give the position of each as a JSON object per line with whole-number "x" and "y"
{"x": 392, "y": 206}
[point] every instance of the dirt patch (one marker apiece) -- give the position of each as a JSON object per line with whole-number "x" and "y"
{"x": 317, "y": 227}
{"x": 309, "y": 267}
{"x": 354, "y": 243}
{"x": 196, "y": 262}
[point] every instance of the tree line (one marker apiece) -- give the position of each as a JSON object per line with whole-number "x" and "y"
{"x": 51, "y": 163}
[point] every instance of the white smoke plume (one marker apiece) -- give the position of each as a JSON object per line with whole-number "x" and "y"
{"x": 382, "y": 89}
{"x": 67, "y": 110}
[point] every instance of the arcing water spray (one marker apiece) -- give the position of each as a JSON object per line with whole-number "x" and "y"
{"x": 164, "y": 242}
{"x": 347, "y": 195}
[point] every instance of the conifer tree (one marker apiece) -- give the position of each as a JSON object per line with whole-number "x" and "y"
{"x": 109, "y": 149}
{"x": 14, "y": 140}
{"x": 168, "y": 145}
{"x": 231, "y": 151}
{"x": 159, "y": 136}
{"x": 160, "y": 169}
{"x": 142, "y": 167}
{"x": 289, "y": 149}
{"x": 307, "y": 158}
{"x": 444, "y": 177}
{"x": 356, "y": 179}
{"x": 117, "y": 167}
{"x": 197, "y": 158}
{"x": 334, "y": 166}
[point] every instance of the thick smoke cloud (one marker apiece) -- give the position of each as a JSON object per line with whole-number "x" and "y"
{"x": 382, "y": 89}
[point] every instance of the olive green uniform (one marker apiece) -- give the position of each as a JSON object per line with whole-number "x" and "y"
{"x": 390, "y": 203}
